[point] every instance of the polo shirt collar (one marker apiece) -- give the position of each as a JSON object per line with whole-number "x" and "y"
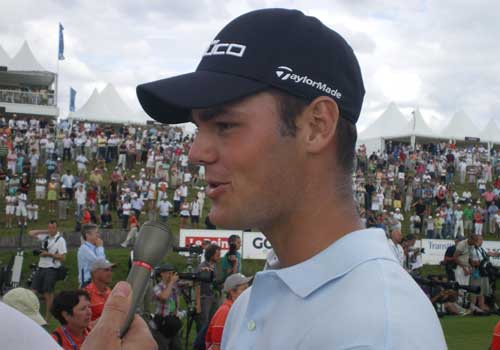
{"x": 335, "y": 261}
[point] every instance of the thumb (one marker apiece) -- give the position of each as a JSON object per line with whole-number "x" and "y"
{"x": 117, "y": 306}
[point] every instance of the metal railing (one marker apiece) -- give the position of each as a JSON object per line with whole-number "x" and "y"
{"x": 24, "y": 97}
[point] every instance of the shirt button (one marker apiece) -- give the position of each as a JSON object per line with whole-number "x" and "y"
{"x": 251, "y": 325}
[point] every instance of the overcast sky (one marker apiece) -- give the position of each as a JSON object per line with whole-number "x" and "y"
{"x": 442, "y": 56}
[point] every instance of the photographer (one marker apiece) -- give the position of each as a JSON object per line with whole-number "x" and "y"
{"x": 479, "y": 259}
{"x": 51, "y": 254}
{"x": 413, "y": 255}
{"x": 461, "y": 258}
{"x": 449, "y": 261}
{"x": 206, "y": 292}
{"x": 231, "y": 262}
{"x": 166, "y": 295}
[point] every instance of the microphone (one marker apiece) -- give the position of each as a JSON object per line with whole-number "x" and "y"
{"x": 149, "y": 249}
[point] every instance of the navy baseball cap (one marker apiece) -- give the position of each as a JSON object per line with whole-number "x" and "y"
{"x": 270, "y": 48}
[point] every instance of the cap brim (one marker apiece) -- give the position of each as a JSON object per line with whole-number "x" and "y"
{"x": 38, "y": 319}
{"x": 171, "y": 100}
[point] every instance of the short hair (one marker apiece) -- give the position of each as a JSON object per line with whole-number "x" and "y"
{"x": 233, "y": 238}
{"x": 88, "y": 228}
{"x": 66, "y": 301}
{"x": 210, "y": 251}
{"x": 52, "y": 222}
{"x": 290, "y": 107}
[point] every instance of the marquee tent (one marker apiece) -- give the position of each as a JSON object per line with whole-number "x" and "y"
{"x": 106, "y": 107}
{"x": 25, "y": 61}
{"x": 4, "y": 58}
{"x": 491, "y": 133}
{"x": 459, "y": 127}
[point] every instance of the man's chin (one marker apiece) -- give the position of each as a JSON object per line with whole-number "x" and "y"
{"x": 225, "y": 221}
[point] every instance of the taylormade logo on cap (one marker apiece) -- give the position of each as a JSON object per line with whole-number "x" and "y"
{"x": 286, "y": 73}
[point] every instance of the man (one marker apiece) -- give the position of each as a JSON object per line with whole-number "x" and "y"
{"x": 234, "y": 285}
{"x": 98, "y": 289}
{"x": 459, "y": 222}
{"x": 395, "y": 244}
{"x": 81, "y": 200}
{"x": 480, "y": 277}
{"x": 462, "y": 259}
{"x": 231, "y": 262}
{"x": 276, "y": 134}
{"x": 53, "y": 252}
{"x": 166, "y": 294}
{"x": 449, "y": 261}
{"x": 90, "y": 251}
{"x": 68, "y": 181}
{"x": 72, "y": 310}
{"x": 206, "y": 292}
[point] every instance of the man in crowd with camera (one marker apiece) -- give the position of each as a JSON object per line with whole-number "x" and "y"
{"x": 52, "y": 253}
{"x": 449, "y": 261}
{"x": 462, "y": 254}
{"x": 91, "y": 249}
{"x": 481, "y": 271}
{"x": 231, "y": 262}
{"x": 166, "y": 295}
{"x": 207, "y": 292}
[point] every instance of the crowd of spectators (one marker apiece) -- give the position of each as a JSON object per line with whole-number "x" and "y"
{"x": 441, "y": 190}
{"x": 129, "y": 173}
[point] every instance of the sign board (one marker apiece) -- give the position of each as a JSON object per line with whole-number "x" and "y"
{"x": 435, "y": 249}
{"x": 473, "y": 139}
{"x": 219, "y": 237}
{"x": 255, "y": 246}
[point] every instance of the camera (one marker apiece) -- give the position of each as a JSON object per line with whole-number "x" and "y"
{"x": 45, "y": 248}
{"x": 418, "y": 250}
{"x": 201, "y": 276}
{"x": 486, "y": 269}
{"x": 431, "y": 282}
{"x": 192, "y": 249}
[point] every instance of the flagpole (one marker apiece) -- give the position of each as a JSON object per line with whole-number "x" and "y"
{"x": 57, "y": 85}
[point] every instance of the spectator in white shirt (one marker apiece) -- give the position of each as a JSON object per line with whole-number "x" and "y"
{"x": 81, "y": 200}
{"x": 164, "y": 207}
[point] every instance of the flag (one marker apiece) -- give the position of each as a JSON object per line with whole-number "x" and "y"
{"x": 72, "y": 96}
{"x": 61, "y": 42}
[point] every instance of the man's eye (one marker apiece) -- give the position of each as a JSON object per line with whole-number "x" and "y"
{"x": 224, "y": 126}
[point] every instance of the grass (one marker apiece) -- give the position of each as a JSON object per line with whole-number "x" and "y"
{"x": 462, "y": 333}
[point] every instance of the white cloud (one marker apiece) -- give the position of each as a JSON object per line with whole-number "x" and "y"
{"x": 441, "y": 56}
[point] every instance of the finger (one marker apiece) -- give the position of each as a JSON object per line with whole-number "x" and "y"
{"x": 139, "y": 336}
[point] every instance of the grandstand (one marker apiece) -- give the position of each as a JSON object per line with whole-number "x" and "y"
{"x": 27, "y": 89}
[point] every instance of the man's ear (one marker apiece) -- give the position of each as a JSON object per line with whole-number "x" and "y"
{"x": 318, "y": 123}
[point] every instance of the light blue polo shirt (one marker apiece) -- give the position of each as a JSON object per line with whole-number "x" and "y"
{"x": 353, "y": 295}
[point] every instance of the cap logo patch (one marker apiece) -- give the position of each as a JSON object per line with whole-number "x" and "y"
{"x": 216, "y": 48}
{"x": 286, "y": 73}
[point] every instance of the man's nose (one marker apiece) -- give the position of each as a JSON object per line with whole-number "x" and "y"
{"x": 203, "y": 150}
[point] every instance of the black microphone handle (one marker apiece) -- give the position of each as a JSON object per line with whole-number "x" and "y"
{"x": 138, "y": 278}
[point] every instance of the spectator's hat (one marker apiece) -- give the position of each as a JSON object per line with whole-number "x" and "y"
{"x": 165, "y": 267}
{"x": 25, "y": 301}
{"x": 430, "y": 216}
{"x": 397, "y": 209}
{"x": 254, "y": 52}
{"x": 235, "y": 280}
{"x": 101, "y": 264}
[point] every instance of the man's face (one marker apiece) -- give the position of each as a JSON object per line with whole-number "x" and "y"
{"x": 103, "y": 275}
{"x": 82, "y": 314}
{"x": 238, "y": 243}
{"x": 235, "y": 293}
{"x": 253, "y": 172}
{"x": 52, "y": 229}
{"x": 216, "y": 256}
{"x": 93, "y": 236}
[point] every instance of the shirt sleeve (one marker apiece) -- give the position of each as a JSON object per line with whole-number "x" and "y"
{"x": 61, "y": 248}
{"x": 100, "y": 253}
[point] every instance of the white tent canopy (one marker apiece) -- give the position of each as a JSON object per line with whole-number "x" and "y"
{"x": 25, "y": 61}
{"x": 419, "y": 127}
{"x": 4, "y": 58}
{"x": 459, "y": 127}
{"x": 107, "y": 107}
{"x": 491, "y": 132}
{"x": 392, "y": 123}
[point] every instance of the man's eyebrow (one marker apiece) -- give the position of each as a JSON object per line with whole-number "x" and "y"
{"x": 210, "y": 113}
